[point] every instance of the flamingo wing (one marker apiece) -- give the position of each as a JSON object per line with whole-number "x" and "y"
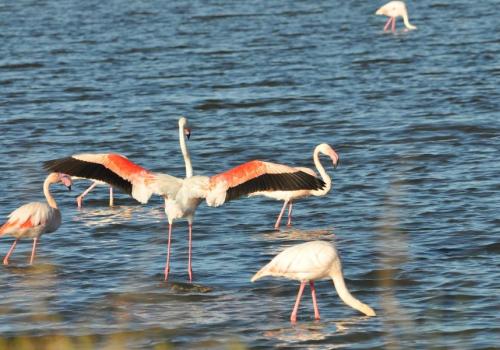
{"x": 308, "y": 261}
{"x": 30, "y": 216}
{"x": 114, "y": 169}
{"x": 90, "y": 166}
{"x": 255, "y": 176}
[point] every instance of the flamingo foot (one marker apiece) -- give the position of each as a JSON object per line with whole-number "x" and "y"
{"x": 167, "y": 270}
{"x": 79, "y": 202}
{"x": 6, "y": 259}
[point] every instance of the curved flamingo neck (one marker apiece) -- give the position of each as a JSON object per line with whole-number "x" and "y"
{"x": 184, "y": 150}
{"x": 324, "y": 175}
{"x": 46, "y": 191}
{"x": 407, "y": 23}
{"x": 346, "y": 296}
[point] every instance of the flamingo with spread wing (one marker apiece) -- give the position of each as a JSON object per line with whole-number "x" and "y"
{"x": 182, "y": 196}
{"x": 289, "y": 196}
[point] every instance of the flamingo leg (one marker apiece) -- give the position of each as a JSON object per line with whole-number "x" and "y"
{"x": 315, "y": 304}
{"x": 167, "y": 266}
{"x": 35, "y": 240}
{"x": 12, "y": 247}
{"x": 79, "y": 199}
{"x": 388, "y": 23}
{"x": 293, "y": 316}
{"x": 277, "y": 224}
{"x": 111, "y": 202}
{"x": 289, "y": 223}
{"x": 190, "y": 249}
{"x": 393, "y": 24}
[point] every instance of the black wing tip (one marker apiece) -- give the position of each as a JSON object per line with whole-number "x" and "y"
{"x": 88, "y": 170}
{"x": 276, "y": 182}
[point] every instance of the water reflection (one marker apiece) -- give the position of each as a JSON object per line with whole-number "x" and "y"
{"x": 294, "y": 234}
{"x": 316, "y": 331}
{"x": 104, "y": 216}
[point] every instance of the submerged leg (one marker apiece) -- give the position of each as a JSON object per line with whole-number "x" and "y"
{"x": 167, "y": 266}
{"x": 12, "y": 247}
{"x": 387, "y": 24}
{"x": 289, "y": 223}
{"x": 277, "y": 224}
{"x": 79, "y": 199}
{"x": 111, "y": 202}
{"x": 33, "y": 250}
{"x": 293, "y": 316}
{"x": 315, "y": 304}
{"x": 393, "y": 24}
{"x": 190, "y": 270}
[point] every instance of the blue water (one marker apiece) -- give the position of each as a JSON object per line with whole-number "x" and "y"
{"x": 414, "y": 208}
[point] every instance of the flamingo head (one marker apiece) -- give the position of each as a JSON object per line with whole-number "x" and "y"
{"x": 65, "y": 179}
{"x": 183, "y": 123}
{"x": 330, "y": 152}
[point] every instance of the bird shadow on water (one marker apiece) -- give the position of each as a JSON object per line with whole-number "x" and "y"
{"x": 314, "y": 330}
{"x": 294, "y": 234}
{"x": 97, "y": 217}
{"x": 39, "y": 270}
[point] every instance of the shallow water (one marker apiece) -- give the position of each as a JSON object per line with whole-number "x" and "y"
{"x": 413, "y": 211}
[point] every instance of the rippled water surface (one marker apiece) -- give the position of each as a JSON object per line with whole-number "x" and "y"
{"x": 414, "y": 209}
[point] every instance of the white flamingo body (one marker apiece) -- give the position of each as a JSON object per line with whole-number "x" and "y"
{"x": 34, "y": 219}
{"x": 308, "y": 262}
{"x": 393, "y": 10}
{"x": 182, "y": 196}
{"x": 289, "y": 196}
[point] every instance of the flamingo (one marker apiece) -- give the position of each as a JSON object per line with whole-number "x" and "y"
{"x": 182, "y": 196}
{"x": 392, "y": 10}
{"x": 289, "y": 196}
{"x": 34, "y": 219}
{"x": 308, "y": 262}
{"x": 79, "y": 199}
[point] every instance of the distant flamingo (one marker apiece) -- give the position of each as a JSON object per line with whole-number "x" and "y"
{"x": 289, "y": 196}
{"x": 182, "y": 196}
{"x": 394, "y": 9}
{"x": 34, "y": 219}
{"x": 79, "y": 199}
{"x": 308, "y": 262}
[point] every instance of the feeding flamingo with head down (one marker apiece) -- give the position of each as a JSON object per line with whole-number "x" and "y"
{"x": 308, "y": 262}
{"x": 394, "y": 9}
{"x": 34, "y": 219}
{"x": 289, "y": 196}
{"x": 182, "y": 196}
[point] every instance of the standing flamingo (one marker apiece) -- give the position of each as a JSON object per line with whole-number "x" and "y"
{"x": 289, "y": 196}
{"x": 182, "y": 196}
{"x": 34, "y": 219}
{"x": 392, "y": 10}
{"x": 79, "y": 199}
{"x": 308, "y": 262}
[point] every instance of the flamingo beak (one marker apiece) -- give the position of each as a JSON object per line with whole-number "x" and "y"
{"x": 336, "y": 163}
{"x": 187, "y": 132}
{"x": 66, "y": 180}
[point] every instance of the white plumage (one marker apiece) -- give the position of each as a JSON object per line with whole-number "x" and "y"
{"x": 34, "y": 219}
{"x": 394, "y": 9}
{"x": 308, "y": 262}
